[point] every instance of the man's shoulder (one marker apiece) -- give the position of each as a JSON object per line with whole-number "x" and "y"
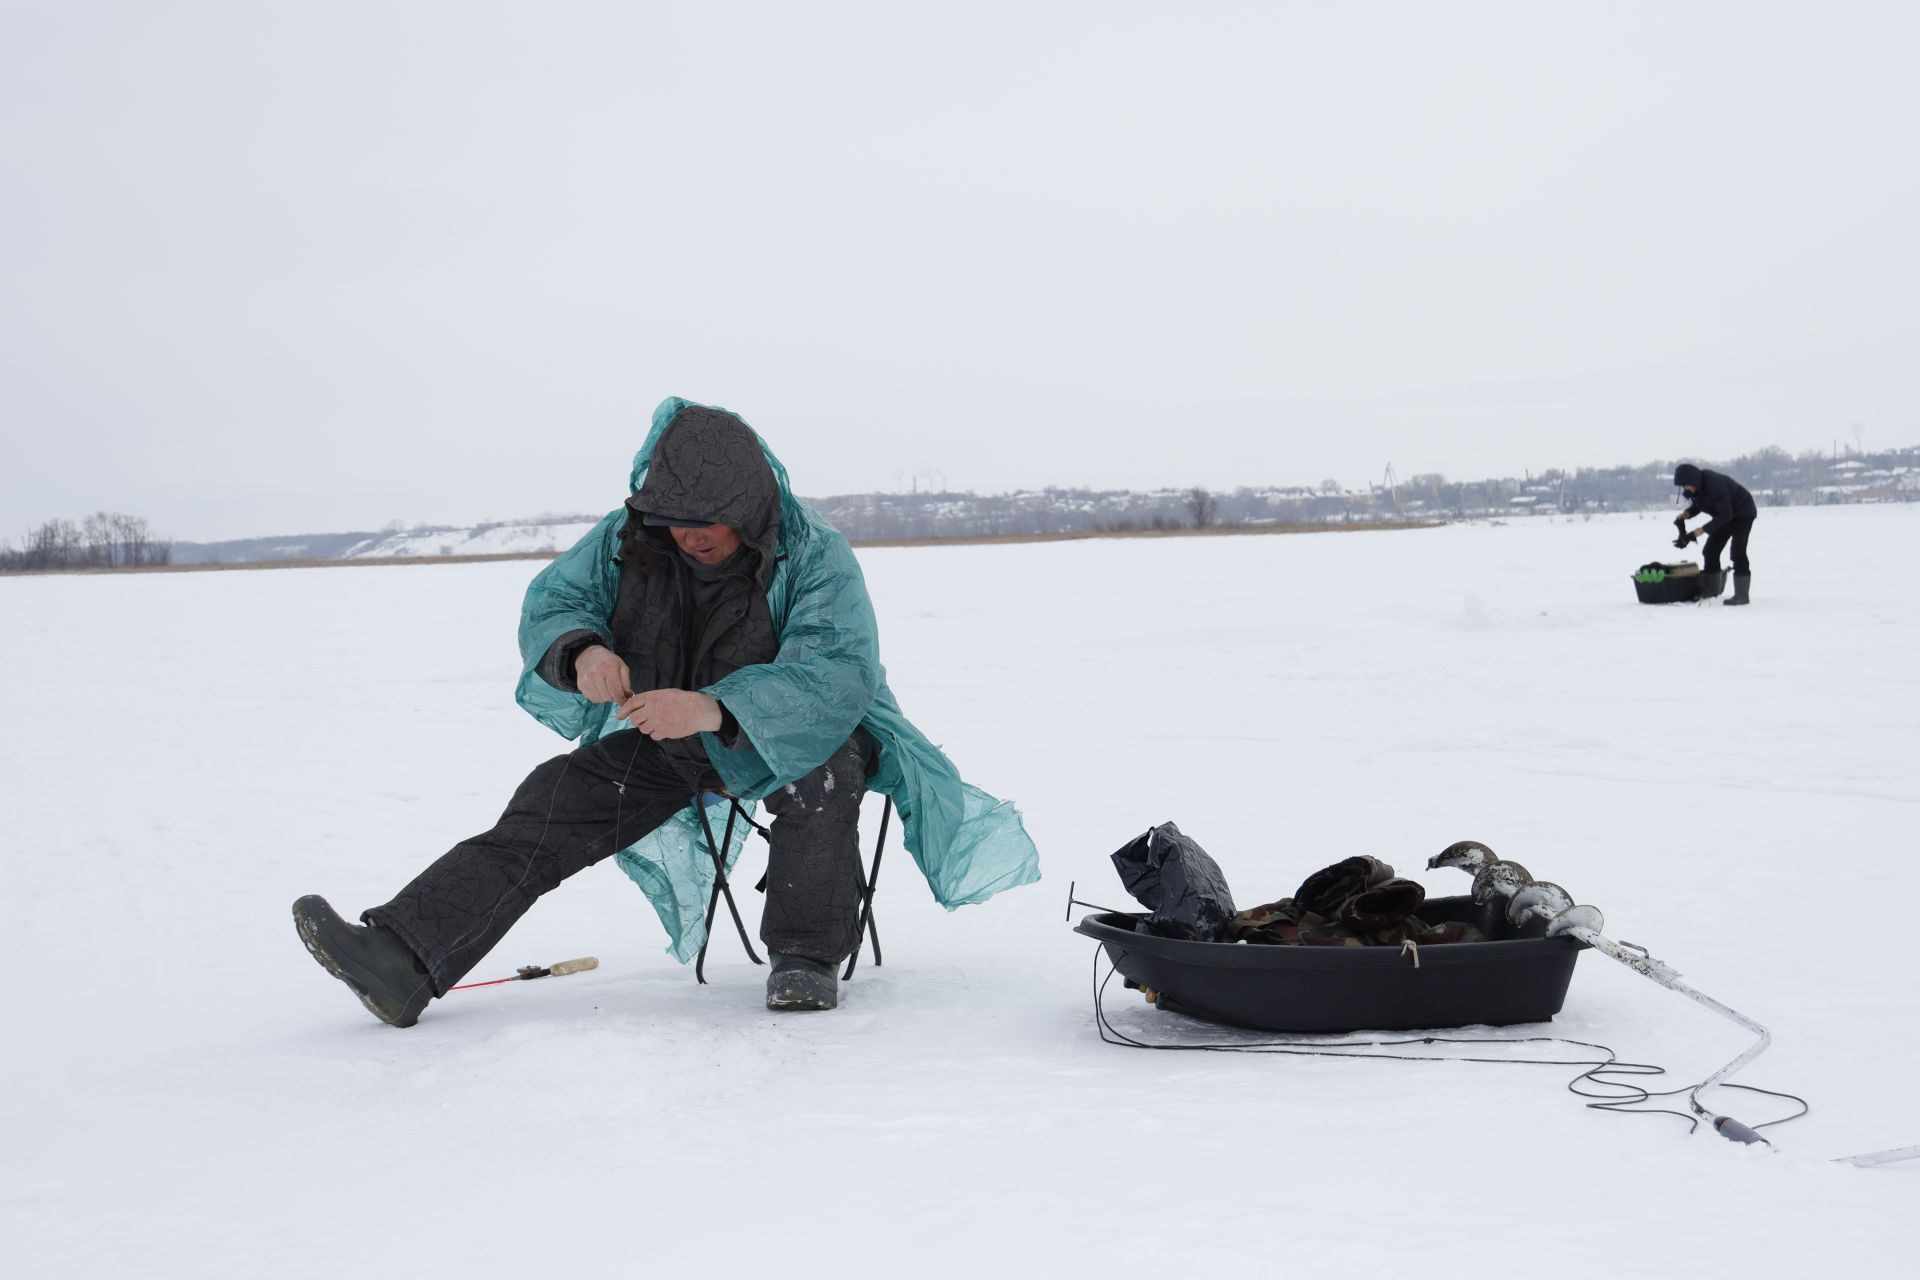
{"x": 819, "y": 559}
{"x": 813, "y": 542}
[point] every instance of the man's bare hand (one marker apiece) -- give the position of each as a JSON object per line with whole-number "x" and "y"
{"x": 671, "y": 713}
{"x": 601, "y": 676}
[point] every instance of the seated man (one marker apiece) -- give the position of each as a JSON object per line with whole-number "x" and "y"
{"x": 712, "y": 635}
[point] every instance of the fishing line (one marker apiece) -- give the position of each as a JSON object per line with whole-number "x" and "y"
{"x": 553, "y": 800}
{"x": 466, "y": 939}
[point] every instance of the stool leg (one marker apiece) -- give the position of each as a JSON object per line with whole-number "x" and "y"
{"x": 720, "y": 888}
{"x": 867, "y": 927}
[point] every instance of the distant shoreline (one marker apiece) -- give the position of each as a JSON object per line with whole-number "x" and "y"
{"x": 963, "y": 540}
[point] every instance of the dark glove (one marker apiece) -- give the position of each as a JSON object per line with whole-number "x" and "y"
{"x": 1326, "y": 890}
{"x": 1382, "y": 906}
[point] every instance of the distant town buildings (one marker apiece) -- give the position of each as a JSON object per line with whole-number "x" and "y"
{"x": 1775, "y": 477}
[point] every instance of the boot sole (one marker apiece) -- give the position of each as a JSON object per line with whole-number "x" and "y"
{"x": 799, "y": 1000}
{"x": 303, "y": 924}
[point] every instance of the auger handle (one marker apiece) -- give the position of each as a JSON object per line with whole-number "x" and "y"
{"x": 1732, "y": 1130}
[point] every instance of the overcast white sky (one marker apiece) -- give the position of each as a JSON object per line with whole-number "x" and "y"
{"x": 273, "y": 268}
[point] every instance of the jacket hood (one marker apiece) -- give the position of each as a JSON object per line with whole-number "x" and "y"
{"x": 702, "y": 463}
{"x": 1686, "y": 473}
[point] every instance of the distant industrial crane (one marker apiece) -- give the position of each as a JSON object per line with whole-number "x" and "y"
{"x": 1391, "y": 483}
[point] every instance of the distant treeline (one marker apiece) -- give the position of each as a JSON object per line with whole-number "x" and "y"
{"x": 104, "y": 540}
{"x": 293, "y": 547}
{"x": 1776, "y": 478}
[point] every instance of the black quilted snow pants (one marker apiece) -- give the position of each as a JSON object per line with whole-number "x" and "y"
{"x": 813, "y": 868}
{"x": 1738, "y": 531}
{"x": 580, "y": 808}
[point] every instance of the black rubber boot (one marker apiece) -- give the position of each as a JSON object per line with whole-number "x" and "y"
{"x": 1741, "y": 581}
{"x": 371, "y": 960}
{"x": 1712, "y": 583}
{"x": 799, "y": 983}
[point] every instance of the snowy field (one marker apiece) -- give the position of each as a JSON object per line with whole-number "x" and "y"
{"x": 187, "y": 1094}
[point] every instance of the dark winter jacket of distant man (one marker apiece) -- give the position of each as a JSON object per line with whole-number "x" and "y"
{"x": 1730, "y": 513}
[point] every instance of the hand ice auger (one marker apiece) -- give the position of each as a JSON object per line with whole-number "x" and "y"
{"x": 1495, "y": 877}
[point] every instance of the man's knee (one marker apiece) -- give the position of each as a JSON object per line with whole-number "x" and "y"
{"x": 537, "y": 786}
{"x": 831, "y": 792}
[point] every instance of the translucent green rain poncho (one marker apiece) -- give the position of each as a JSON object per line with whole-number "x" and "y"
{"x": 794, "y": 712}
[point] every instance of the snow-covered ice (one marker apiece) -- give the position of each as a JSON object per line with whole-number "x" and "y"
{"x": 187, "y": 1094}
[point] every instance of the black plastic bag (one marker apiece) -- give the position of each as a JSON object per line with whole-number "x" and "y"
{"x": 1175, "y": 880}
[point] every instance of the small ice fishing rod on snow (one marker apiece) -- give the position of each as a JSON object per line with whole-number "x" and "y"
{"x": 1495, "y": 877}
{"x": 527, "y": 972}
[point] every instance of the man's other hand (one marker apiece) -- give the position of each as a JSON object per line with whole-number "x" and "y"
{"x": 601, "y": 676}
{"x": 671, "y": 713}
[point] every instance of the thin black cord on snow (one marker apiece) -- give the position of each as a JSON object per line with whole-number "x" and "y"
{"x": 1627, "y": 1100}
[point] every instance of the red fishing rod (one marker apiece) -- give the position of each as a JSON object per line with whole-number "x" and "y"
{"x": 527, "y": 972}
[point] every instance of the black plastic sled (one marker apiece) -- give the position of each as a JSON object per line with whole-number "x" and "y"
{"x": 1517, "y": 975}
{"x": 1683, "y": 582}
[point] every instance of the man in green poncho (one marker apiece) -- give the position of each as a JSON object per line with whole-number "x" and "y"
{"x": 713, "y": 636}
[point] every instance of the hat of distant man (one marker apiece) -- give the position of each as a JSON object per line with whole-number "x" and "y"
{"x": 1686, "y": 473}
